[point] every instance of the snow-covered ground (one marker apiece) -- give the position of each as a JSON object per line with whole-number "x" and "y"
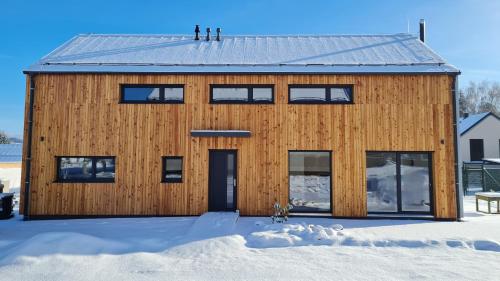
{"x": 215, "y": 247}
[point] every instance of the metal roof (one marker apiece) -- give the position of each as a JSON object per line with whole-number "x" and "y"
{"x": 465, "y": 124}
{"x": 11, "y": 152}
{"x": 266, "y": 54}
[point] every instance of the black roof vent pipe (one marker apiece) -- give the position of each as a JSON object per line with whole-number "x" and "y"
{"x": 218, "y": 34}
{"x": 208, "y": 34}
{"x": 422, "y": 30}
{"x": 197, "y": 32}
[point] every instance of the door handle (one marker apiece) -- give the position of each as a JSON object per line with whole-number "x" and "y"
{"x": 234, "y": 182}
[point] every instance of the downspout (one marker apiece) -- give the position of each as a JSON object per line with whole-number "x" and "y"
{"x": 458, "y": 175}
{"x": 27, "y": 179}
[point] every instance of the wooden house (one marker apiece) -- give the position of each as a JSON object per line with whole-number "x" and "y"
{"x": 174, "y": 125}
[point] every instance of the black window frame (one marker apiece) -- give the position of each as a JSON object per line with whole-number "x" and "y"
{"x": 94, "y": 178}
{"x": 162, "y": 93}
{"x": 398, "y": 184}
{"x": 164, "y": 170}
{"x": 328, "y": 89}
{"x": 330, "y": 155}
{"x": 249, "y": 87}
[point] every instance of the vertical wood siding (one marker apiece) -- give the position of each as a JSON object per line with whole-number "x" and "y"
{"x": 81, "y": 115}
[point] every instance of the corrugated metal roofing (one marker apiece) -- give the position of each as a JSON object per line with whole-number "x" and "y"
{"x": 11, "y": 152}
{"x": 464, "y": 124}
{"x": 181, "y": 53}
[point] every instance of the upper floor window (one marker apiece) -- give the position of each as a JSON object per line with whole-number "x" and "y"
{"x": 152, "y": 94}
{"x": 241, "y": 94}
{"x": 86, "y": 169}
{"x": 315, "y": 94}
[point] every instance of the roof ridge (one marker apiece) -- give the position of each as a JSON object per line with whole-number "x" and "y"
{"x": 244, "y": 35}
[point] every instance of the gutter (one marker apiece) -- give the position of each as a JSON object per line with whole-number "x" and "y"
{"x": 27, "y": 179}
{"x": 458, "y": 176}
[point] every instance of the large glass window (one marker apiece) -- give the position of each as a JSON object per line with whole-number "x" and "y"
{"x": 415, "y": 182}
{"x": 381, "y": 182}
{"x": 86, "y": 169}
{"x": 320, "y": 94}
{"x": 310, "y": 181}
{"x": 241, "y": 94}
{"x": 398, "y": 182}
{"x": 172, "y": 169}
{"x": 152, "y": 93}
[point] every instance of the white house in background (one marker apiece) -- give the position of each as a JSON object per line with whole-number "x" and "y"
{"x": 479, "y": 136}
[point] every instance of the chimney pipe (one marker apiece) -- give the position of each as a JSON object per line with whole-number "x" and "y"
{"x": 422, "y": 30}
{"x": 208, "y": 34}
{"x": 197, "y": 32}
{"x": 218, "y": 34}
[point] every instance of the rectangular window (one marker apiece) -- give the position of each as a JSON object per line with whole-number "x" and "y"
{"x": 259, "y": 94}
{"x": 152, "y": 93}
{"x": 318, "y": 94}
{"x": 86, "y": 169}
{"x": 476, "y": 147}
{"x": 172, "y": 169}
{"x": 398, "y": 182}
{"x": 310, "y": 181}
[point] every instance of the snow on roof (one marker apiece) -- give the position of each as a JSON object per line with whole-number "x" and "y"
{"x": 294, "y": 53}
{"x": 465, "y": 124}
{"x": 11, "y": 152}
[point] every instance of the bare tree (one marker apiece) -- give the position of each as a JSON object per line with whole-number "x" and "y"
{"x": 480, "y": 97}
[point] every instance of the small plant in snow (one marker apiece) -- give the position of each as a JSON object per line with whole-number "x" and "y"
{"x": 281, "y": 213}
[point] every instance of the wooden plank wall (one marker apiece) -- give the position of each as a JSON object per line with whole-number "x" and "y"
{"x": 81, "y": 115}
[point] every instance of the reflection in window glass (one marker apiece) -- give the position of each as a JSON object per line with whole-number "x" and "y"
{"x": 105, "y": 168}
{"x": 340, "y": 94}
{"x": 263, "y": 94}
{"x": 174, "y": 94}
{"x": 415, "y": 195}
{"x": 75, "y": 168}
{"x": 381, "y": 182}
{"x": 308, "y": 94}
{"x": 309, "y": 179}
{"x": 141, "y": 94}
{"x": 86, "y": 169}
{"x": 230, "y": 94}
{"x": 173, "y": 169}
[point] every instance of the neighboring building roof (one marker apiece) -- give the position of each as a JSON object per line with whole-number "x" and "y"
{"x": 465, "y": 124}
{"x": 11, "y": 152}
{"x": 398, "y": 53}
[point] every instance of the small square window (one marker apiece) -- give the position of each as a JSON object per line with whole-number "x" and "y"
{"x": 172, "y": 169}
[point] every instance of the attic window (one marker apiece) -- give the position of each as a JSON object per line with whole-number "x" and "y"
{"x": 242, "y": 94}
{"x": 152, "y": 93}
{"x": 318, "y": 94}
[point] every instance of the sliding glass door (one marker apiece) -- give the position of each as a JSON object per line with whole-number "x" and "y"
{"x": 399, "y": 182}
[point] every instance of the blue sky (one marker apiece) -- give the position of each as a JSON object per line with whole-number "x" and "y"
{"x": 464, "y": 32}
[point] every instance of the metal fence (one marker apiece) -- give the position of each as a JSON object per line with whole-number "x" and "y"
{"x": 479, "y": 176}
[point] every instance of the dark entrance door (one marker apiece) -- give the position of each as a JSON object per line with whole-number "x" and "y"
{"x": 222, "y": 180}
{"x": 476, "y": 149}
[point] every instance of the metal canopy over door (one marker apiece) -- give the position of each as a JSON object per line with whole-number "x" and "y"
{"x": 222, "y": 180}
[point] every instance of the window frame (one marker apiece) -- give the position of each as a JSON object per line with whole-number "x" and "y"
{"x": 398, "y": 184}
{"x": 164, "y": 170}
{"x": 330, "y": 155}
{"x": 93, "y": 179}
{"x": 162, "y": 93}
{"x": 249, "y": 87}
{"x": 328, "y": 89}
